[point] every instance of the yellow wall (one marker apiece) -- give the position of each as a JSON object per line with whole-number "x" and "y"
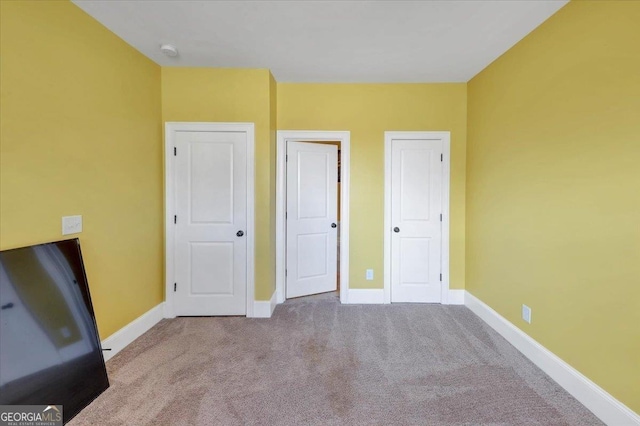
{"x": 367, "y": 111}
{"x": 552, "y": 182}
{"x": 553, "y": 189}
{"x": 226, "y": 95}
{"x": 80, "y": 133}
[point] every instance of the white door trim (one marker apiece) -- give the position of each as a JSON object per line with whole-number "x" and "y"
{"x": 445, "y": 137}
{"x": 170, "y": 204}
{"x": 344, "y": 138}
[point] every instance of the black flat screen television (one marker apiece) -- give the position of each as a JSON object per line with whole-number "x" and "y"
{"x": 50, "y": 353}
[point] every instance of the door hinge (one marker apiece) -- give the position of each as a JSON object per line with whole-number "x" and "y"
{"x": 285, "y": 272}
{"x": 440, "y": 217}
{"x": 440, "y": 277}
{"x": 285, "y": 215}
{"x": 441, "y": 157}
{"x": 175, "y": 286}
{"x": 286, "y": 157}
{"x": 175, "y": 151}
{"x": 175, "y": 219}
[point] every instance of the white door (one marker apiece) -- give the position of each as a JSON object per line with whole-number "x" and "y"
{"x": 312, "y": 211}
{"x": 416, "y": 214}
{"x": 211, "y": 222}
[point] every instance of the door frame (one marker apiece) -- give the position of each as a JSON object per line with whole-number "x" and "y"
{"x": 170, "y": 129}
{"x": 445, "y": 137}
{"x": 344, "y": 138}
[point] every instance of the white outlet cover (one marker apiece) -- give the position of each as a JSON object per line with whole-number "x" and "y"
{"x": 71, "y": 224}
{"x": 369, "y": 274}
{"x": 526, "y": 313}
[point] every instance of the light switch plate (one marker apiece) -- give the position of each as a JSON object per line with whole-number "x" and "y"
{"x": 71, "y": 224}
{"x": 369, "y": 274}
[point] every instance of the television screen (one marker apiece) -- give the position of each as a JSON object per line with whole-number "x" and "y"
{"x": 50, "y": 352}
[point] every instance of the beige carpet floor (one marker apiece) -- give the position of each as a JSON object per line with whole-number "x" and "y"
{"x": 317, "y": 362}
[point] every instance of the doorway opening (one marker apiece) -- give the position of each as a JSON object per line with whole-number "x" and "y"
{"x": 309, "y": 244}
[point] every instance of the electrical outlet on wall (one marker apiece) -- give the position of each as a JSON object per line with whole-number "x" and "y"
{"x": 369, "y": 274}
{"x": 526, "y": 313}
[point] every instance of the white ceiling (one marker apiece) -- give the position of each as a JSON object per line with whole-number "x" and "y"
{"x": 328, "y": 41}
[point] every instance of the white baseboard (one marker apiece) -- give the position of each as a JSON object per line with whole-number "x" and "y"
{"x": 361, "y": 296}
{"x": 167, "y": 310}
{"x": 455, "y": 297}
{"x": 601, "y": 403}
{"x": 279, "y": 296}
{"x": 130, "y": 332}
{"x": 264, "y": 308}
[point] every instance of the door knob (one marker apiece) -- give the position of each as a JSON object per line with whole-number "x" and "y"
{"x": 396, "y": 229}
{"x": 239, "y": 234}
{"x": 333, "y": 225}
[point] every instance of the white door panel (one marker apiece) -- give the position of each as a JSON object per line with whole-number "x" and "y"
{"x": 212, "y": 268}
{"x": 416, "y": 207}
{"x": 312, "y": 191}
{"x": 211, "y": 194}
{"x": 211, "y": 181}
